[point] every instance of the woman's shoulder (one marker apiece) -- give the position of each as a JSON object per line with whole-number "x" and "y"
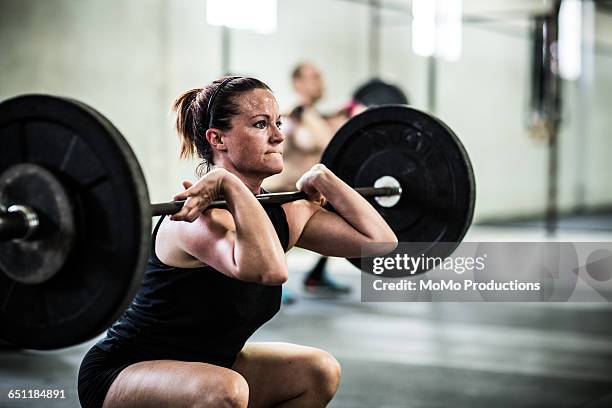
{"x": 178, "y": 242}
{"x": 298, "y": 214}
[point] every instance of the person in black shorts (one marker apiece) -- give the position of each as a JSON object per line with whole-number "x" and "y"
{"x": 214, "y": 276}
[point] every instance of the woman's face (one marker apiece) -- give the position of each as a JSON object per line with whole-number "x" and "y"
{"x": 254, "y": 143}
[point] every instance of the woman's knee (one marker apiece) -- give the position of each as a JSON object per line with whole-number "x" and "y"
{"x": 325, "y": 373}
{"x": 228, "y": 391}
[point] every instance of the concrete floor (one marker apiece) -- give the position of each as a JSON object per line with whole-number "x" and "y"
{"x": 414, "y": 354}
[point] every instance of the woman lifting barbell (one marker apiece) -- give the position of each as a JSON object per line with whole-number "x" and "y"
{"x": 216, "y": 278}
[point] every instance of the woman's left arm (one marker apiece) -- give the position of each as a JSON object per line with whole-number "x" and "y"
{"x": 343, "y": 233}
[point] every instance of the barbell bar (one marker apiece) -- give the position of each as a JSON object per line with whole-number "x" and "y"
{"x": 173, "y": 207}
{"x": 72, "y": 189}
{"x": 21, "y": 222}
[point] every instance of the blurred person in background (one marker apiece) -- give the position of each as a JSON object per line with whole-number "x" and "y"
{"x": 307, "y": 133}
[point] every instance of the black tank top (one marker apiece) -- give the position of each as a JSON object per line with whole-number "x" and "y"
{"x": 194, "y": 314}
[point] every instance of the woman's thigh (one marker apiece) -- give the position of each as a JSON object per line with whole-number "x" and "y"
{"x": 279, "y": 373}
{"x": 170, "y": 383}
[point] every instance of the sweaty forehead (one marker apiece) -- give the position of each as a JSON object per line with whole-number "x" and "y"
{"x": 258, "y": 101}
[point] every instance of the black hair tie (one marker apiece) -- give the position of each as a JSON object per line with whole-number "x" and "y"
{"x": 211, "y": 101}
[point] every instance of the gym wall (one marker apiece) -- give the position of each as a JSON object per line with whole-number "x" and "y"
{"x": 130, "y": 59}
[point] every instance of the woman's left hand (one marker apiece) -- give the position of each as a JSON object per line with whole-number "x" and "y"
{"x": 353, "y": 223}
{"x": 307, "y": 183}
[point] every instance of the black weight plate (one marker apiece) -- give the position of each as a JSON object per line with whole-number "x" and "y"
{"x": 44, "y": 252}
{"x": 429, "y": 161}
{"x": 376, "y": 92}
{"x": 101, "y": 175}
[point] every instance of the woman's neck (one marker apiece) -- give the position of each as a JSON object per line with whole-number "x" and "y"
{"x": 252, "y": 183}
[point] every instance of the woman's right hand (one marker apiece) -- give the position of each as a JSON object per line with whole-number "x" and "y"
{"x": 198, "y": 196}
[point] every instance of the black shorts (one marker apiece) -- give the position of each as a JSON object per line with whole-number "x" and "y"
{"x": 98, "y": 371}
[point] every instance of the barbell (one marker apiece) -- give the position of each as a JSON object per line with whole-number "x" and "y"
{"x": 75, "y": 216}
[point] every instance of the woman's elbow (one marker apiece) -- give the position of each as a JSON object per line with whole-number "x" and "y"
{"x": 387, "y": 236}
{"x": 264, "y": 274}
{"x": 274, "y": 277}
{"x": 390, "y": 245}
{"x": 383, "y": 243}
{"x": 394, "y": 240}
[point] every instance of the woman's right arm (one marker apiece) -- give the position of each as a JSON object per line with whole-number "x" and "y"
{"x": 243, "y": 245}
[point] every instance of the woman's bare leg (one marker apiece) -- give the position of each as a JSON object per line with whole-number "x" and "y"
{"x": 169, "y": 383}
{"x": 287, "y": 375}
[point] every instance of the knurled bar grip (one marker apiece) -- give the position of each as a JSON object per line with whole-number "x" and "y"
{"x": 16, "y": 225}
{"x": 271, "y": 198}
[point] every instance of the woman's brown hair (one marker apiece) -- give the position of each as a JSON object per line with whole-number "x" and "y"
{"x": 199, "y": 109}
